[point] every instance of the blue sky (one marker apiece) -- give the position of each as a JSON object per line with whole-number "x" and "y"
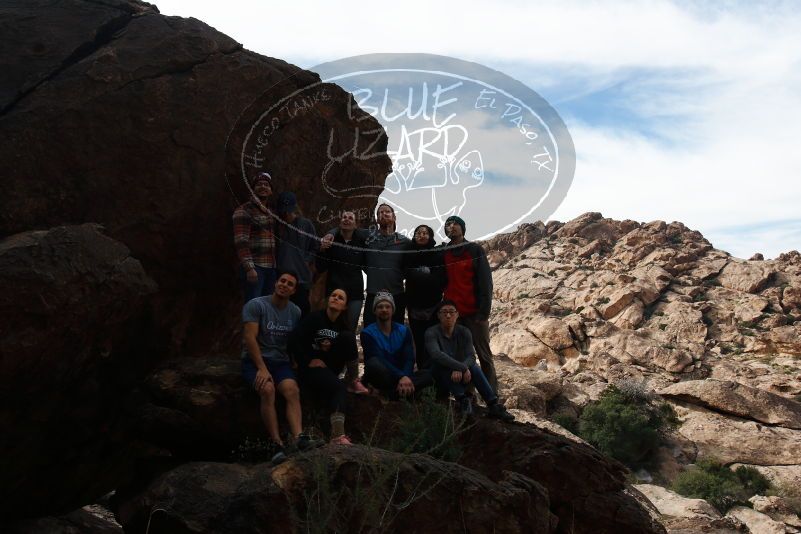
{"x": 687, "y": 111}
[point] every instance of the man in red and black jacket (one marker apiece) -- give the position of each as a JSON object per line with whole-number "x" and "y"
{"x": 470, "y": 287}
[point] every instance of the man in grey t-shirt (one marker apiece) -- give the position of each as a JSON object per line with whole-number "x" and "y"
{"x": 266, "y": 366}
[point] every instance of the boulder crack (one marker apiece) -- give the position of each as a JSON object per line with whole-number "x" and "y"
{"x": 104, "y": 35}
{"x": 183, "y": 69}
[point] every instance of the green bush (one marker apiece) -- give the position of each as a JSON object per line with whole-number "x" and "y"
{"x": 720, "y": 486}
{"x": 790, "y": 494}
{"x": 626, "y": 424}
{"x": 366, "y": 497}
{"x": 428, "y": 427}
{"x": 566, "y": 421}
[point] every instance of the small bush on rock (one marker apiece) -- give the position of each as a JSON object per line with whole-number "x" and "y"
{"x": 429, "y": 427}
{"x": 790, "y": 494}
{"x": 626, "y": 424}
{"x": 720, "y": 486}
{"x": 566, "y": 421}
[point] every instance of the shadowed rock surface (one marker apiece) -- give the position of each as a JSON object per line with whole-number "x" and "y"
{"x": 114, "y": 114}
{"x": 87, "y": 520}
{"x": 121, "y": 116}
{"x": 200, "y": 409}
{"x": 655, "y": 307}
{"x": 738, "y": 399}
{"x": 71, "y": 311}
{"x": 348, "y": 489}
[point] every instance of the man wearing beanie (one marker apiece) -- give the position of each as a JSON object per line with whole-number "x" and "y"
{"x": 254, "y": 239}
{"x": 470, "y": 287}
{"x": 389, "y": 353}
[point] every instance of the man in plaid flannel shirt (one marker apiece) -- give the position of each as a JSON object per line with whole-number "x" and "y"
{"x": 254, "y": 240}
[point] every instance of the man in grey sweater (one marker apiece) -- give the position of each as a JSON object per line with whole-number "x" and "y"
{"x": 453, "y": 362}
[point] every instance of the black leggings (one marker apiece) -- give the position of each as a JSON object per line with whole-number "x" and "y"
{"x": 324, "y": 386}
{"x": 419, "y": 327}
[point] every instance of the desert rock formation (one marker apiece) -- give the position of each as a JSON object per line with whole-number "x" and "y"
{"x": 595, "y": 301}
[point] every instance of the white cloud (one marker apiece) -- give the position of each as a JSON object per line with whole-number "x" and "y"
{"x": 716, "y": 91}
{"x": 770, "y": 239}
{"x": 601, "y": 34}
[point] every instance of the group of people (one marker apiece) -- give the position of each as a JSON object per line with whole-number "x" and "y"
{"x": 447, "y": 295}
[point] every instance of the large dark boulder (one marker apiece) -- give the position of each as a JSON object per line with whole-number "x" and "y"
{"x": 337, "y": 489}
{"x": 71, "y": 313}
{"x": 201, "y": 410}
{"x": 91, "y": 519}
{"x": 115, "y": 114}
{"x": 197, "y": 408}
{"x": 588, "y": 491}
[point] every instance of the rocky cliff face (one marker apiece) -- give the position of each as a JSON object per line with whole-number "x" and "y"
{"x": 199, "y": 410}
{"x": 112, "y": 114}
{"x": 594, "y": 301}
{"x": 656, "y": 298}
{"x": 119, "y": 179}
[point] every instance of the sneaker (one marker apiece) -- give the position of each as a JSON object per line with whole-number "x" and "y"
{"x": 279, "y": 454}
{"x": 498, "y": 411}
{"x": 341, "y": 440}
{"x": 306, "y": 443}
{"x": 358, "y": 388}
{"x": 465, "y": 405}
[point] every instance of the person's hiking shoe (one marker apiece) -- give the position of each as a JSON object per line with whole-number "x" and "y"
{"x": 465, "y": 405}
{"x": 305, "y": 443}
{"x": 279, "y": 454}
{"x": 498, "y": 411}
{"x": 341, "y": 440}
{"x": 358, "y": 388}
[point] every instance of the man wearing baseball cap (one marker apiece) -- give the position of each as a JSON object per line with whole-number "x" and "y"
{"x": 470, "y": 287}
{"x": 389, "y": 353}
{"x": 297, "y": 246}
{"x": 254, "y": 239}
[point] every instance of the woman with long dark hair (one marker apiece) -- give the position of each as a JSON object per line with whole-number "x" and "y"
{"x": 425, "y": 281}
{"x": 323, "y": 346}
{"x": 342, "y": 257}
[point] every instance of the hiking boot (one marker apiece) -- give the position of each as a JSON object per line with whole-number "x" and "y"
{"x": 498, "y": 411}
{"x": 341, "y": 440}
{"x": 306, "y": 443}
{"x": 358, "y": 388}
{"x": 465, "y": 405}
{"x": 279, "y": 454}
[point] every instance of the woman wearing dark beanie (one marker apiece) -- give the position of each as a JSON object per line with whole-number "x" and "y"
{"x": 425, "y": 281}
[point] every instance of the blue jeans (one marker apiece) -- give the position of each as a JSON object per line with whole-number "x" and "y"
{"x": 443, "y": 377}
{"x": 265, "y": 285}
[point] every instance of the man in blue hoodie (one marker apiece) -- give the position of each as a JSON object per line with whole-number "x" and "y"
{"x": 389, "y": 353}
